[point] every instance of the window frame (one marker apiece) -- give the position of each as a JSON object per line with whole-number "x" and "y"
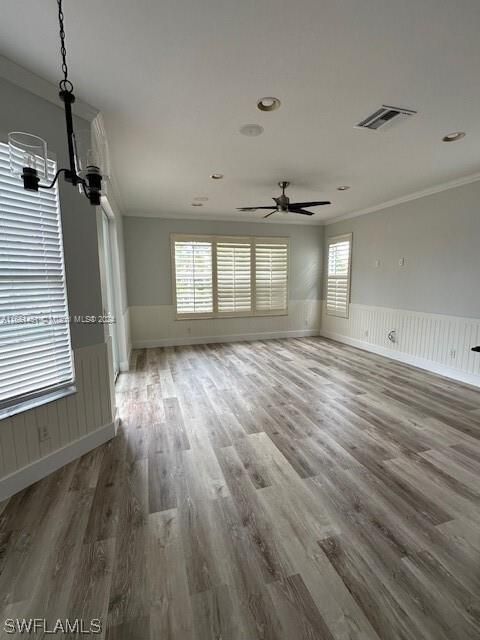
{"x": 334, "y": 240}
{"x": 214, "y": 238}
{"x": 41, "y": 396}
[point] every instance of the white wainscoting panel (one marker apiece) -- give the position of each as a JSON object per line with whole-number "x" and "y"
{"x": 439, "y": 343}
{"x": 68, "y": 419}
{"x": 156, "y": 325}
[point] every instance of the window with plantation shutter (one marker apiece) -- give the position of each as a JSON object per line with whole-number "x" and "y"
{"x": 338, "y": 277}
{"x": 193, "y": 277}
{"x": 271, "y": 275}
{"x": 218, "y": 276}
{"x": 35, "y": 348}
{"x": 234, "y": 287}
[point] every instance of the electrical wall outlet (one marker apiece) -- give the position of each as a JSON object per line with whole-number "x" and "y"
{"x": 401, "y": 262}
{"x": 453, "y": 353}
{"x": 43, "y": 433}
{"x": 377, "y": 264}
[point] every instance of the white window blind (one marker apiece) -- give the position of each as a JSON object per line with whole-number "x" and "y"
{"x": 234, "y": 287}
{"x": 271, "y": 275}
{"x": 338, "y": 278}
{"x": 35, "y": 348}
{"x": 217, "y": 276}
{"x": 193, "y": 277}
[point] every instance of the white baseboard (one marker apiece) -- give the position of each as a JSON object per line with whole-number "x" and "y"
{"x": 415, "y": 361}
{"x": 245, "y": 337}
{"x": 124, "y": 365}
{"x": 24, "y": 477}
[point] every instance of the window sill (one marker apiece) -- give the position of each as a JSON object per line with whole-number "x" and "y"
{"x": 38, "y": 401}
{"x": 225, "y": 316}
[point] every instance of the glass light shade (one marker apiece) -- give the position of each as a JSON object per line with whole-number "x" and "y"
{"x": 90, "y": 152}
{"x": 27, "y": 150}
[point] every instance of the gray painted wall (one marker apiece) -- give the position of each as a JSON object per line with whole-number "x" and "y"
{"x": 148, "y": 262}
{"x": 20, "y": 110}
{"x": 439, "y": 237}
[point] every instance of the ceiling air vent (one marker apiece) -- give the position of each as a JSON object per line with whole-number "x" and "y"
{"x": 385, "y": 117}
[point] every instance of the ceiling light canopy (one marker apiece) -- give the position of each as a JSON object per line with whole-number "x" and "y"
{"x": 343, "y": 187}
{"x": 197, "y": 204}
{"x": 251, "y": 130}
{"x": 217, "y": 176}
{"x": 30, "y": 152}
{"x": 268, "y": 104}
{"x": 453, "y": 137}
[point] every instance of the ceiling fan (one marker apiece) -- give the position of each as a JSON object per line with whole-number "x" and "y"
{"x": 283, "y": 204}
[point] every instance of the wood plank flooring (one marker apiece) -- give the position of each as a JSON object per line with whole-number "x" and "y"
{"x": 287, "y": 489}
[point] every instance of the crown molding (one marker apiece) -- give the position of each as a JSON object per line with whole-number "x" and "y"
{"x": 220, "y": 218}
{"x": 25, "y": 79}
{"x": 445, "y": 186}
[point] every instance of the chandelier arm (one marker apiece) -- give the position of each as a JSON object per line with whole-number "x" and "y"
{"x": 52, "y": 184}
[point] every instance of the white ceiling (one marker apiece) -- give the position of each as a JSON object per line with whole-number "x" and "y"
{"x": 176, "y": 80}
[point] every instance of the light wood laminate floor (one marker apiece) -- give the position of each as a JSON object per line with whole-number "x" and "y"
{"x": 286, "y": 489}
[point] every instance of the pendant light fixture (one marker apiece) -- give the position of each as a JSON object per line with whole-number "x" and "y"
{"x": 28, "y": 153}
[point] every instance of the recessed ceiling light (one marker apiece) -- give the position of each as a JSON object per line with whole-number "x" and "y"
{"x": 216, "y": 176}
{"x": 453, "y": 137}
{"x": 343, "y": 187}
{"x": 197, "y": 204}
{"x": 268, "y": 104}
{"x": 251, "y": 130}
{"x": 201, "y": 199}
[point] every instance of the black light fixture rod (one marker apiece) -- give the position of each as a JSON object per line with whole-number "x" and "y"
{"x": 68, "y": 99}
{"x": 91, "y": 185}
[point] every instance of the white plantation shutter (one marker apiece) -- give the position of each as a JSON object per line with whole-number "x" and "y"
{"x": 234, "y": 287}
{"x": 35, "y": 348}
{"x": 216, "y": 276}
{"x": 271, "y": 275}
{"x": 338, "y": 278}
{"x": 193, "y": 277}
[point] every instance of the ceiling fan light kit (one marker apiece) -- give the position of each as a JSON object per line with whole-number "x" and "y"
{"x": 30, "y": 151}
{"x": 283, "y": 204}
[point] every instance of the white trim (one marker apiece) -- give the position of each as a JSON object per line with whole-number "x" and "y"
{"x": 235, "y": 218}
{"x": 445, "y": 186}
{"x": 24, "y": 477}
{"x": 415, "y": 361}
{"x": 38, "y": 400}
{"x": 313, "y": 221}
{"x": 124, "y": 366}
{"x": 242, "y": 337}
{"x": 25, "y": 79}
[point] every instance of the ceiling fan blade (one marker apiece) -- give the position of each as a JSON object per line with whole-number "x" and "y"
{"x": 302, "y": 211}
{"x": 309, "y": 204}
{"x": 270, "y": 214}
{"x": 253, "y": 208}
